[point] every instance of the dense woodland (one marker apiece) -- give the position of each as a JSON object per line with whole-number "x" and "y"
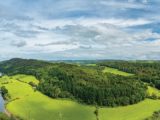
{"x": 85, "y": 84}
{"x": 146, "y": 71}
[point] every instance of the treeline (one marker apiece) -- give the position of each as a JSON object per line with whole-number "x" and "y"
{"x": 3, "y": 116}
{"x": 145, "y": 71}
{"x": 85, "y": 84}
{"x": 4, "y": 92}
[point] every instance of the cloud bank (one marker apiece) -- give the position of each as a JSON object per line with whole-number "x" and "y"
{"x": 80, "y": 29}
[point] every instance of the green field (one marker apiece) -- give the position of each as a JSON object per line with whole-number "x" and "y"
{"x": 139, "y": 111}
{"x": 25, "y": 78}
{"x": 116, "y": 71}
{"x": 153, "y": 91}
{"x": 91, "y": 64}
{"x": 32, "y": 105}
{"x": 29, "y": 104}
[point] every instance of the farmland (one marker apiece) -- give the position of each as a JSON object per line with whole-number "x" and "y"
{"x": 30, "y": 104}
{"x": 116, "y": 71}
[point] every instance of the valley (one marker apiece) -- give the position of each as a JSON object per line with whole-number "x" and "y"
{"x": 36, "y": 92}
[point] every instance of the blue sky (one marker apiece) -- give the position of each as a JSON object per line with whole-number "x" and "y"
{"x": 80, "y": 29}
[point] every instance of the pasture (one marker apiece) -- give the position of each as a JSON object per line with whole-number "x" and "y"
{"x": 116, "y": 71}
{"x": 33, "y": 105}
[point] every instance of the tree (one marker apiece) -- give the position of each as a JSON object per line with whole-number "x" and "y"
{"x": 56, "y": 92}
{"x": 4, "y": 117}
{"x": 96, "y": 112}
{"x": 4, "y": 92}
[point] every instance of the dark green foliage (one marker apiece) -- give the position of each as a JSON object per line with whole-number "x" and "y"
{"x": 22, "y": 66}
{"x": 4, "y": 92}
{"x": 92, "y": 87}
{"x": 96, "y": 112}
{"x": 145, "y": 71}
{"x": 85, "y": 84}
{"x": 4, "y": 116}
{"x": 32, "y": 84}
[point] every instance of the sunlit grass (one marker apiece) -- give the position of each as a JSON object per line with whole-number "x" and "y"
{"x": 36, "y": 106}
{"x": 116, "y": 71}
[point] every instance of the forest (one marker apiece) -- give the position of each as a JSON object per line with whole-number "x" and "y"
{"x": 146, "y": 71}
{"x": 88, "y": 85}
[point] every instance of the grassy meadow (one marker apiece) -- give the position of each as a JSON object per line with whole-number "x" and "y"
{"x": 138, "y": 111}
{"x": 25, "y": 78}
{"x": 153, "y": 91}
{"x": 116, "y": 71}
{"x": 33, "y": 105}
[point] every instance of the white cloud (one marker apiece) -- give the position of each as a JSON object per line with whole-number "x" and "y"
{"x": 123, "y": 5}
{"x": 50, "y": 24}
{"x": 106, "y": 38}
{"x": 78, "y": 29}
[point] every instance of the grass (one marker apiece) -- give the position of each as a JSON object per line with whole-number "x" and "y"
{"x": 116, "y": 71}
{"x": 138, "y": 111}
{"x": 31, "y": 105}
{"x": 28, "y": 104}
{"x": 25, "y": 78}
{"x": 91, "y": 64}
{"x": 153, "y": 91}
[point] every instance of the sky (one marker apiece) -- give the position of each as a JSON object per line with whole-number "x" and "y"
{"x": 80, "y": 29}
